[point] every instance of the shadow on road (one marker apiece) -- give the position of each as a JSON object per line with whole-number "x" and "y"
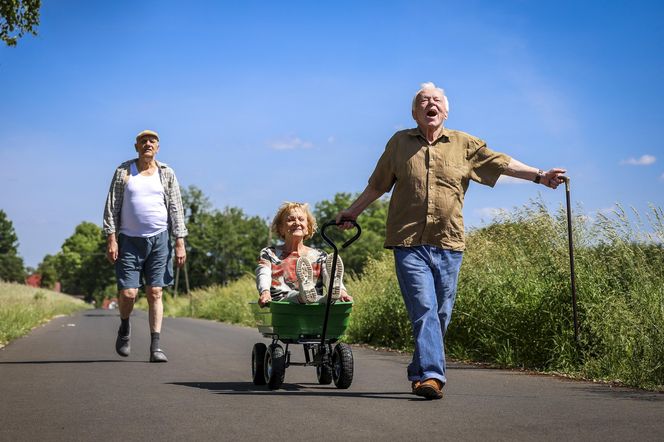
{"x": 92, "y": 361}
{"x": 623, "y": 393}
{"x": 292, "y": 390}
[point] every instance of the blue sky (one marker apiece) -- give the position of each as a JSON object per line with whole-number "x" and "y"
{"x": 261, "y": 102}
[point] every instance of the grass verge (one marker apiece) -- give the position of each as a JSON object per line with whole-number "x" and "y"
{"x": 22, "y": 308}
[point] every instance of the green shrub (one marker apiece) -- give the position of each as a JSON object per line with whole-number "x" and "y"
{"x": 229, "y": 303}
{"x": 379, "y": 317}
{"x": 514, "y": 302}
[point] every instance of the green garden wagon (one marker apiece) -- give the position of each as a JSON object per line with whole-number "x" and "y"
{"x": 316, "y": 326}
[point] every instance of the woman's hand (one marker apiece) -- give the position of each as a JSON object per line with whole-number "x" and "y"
{"x": 345, "y": 297}
{"x": 265, "y": 298}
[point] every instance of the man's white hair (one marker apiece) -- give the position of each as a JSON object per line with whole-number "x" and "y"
{"x": 428, "y": 86}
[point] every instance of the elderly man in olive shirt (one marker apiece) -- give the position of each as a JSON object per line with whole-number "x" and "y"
{"x": 429, "y": 169}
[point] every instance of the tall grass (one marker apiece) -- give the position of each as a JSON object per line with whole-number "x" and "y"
{"x": 379, "y": 316}
{"x": 514, "y": 304}
{"x": 22, "y": 308}
{"x": 228, "y": 303}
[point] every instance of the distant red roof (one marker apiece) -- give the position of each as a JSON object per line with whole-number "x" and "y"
{"x": 33, "y": 280}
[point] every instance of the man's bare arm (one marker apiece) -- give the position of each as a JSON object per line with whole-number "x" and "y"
{"x": 550, "y": 178}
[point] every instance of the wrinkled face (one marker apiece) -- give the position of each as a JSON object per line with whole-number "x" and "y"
{"x": 295, "y": 224}
{"x": 429, "y": 111}
{"x": 147, "y": 146}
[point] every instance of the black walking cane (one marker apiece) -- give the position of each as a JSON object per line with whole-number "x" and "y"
{"x": 571, "y": 258}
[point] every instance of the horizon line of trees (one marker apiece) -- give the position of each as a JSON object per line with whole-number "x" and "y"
{"x": 222, "y": 246}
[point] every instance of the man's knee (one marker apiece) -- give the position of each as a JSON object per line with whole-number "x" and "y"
{"x": 153, "y": 293}
{"x": 129, "y": 294}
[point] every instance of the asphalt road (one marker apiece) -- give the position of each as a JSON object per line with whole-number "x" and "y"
{"x": 64, "y": 382}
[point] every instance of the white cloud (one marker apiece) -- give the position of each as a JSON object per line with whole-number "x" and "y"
{"x": 645, "y": 160}
{"x": 490, "y": 212}
{"x": 290, "y": 143}
{"x": 505, "y": 179}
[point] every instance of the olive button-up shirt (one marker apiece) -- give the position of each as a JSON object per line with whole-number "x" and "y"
{"x": 430, "y": 181}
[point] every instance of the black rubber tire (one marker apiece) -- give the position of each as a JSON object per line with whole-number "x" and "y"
{"x": 342, "y": 366}
{"x": 275, "y": 366}
{"x": 324, "y": 374}
{"x": 257, "y": 363}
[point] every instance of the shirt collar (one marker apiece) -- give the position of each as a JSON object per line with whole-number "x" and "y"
{"x": 416, "y": 132}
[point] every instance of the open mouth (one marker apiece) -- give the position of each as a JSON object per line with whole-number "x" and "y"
{"x": 432, "y": 113}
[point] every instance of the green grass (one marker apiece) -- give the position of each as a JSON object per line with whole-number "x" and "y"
{"x": 514, "y": 302}
{"x": 228, "y": 303}
{"x": 22, "y": 308}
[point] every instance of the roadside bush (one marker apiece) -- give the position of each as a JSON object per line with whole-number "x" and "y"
{"x": 514, "y": 302}
{"x": 379, "y": 317}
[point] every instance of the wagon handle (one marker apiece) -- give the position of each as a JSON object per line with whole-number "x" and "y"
{"x": 334, "y": 223}
{"x": 333, "y": 270}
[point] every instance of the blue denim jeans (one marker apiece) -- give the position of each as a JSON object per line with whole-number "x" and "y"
{"x": 428, "y": 278}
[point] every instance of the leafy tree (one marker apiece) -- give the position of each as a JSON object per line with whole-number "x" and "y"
{"x": 223, "y": 245}
{"x": 11, "y": 265}
{"x": 372, "y": 221}
{"x": 18, "y": 17}
{"x": 194, "y": 202}
{"x": 47, "y": 270}
{"x": 81, "y": 264}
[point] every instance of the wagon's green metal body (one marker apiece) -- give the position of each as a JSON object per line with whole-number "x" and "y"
{"x": 297, "y": 323}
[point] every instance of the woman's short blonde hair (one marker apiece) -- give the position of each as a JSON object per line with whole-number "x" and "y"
{"x": 282, "y": 213}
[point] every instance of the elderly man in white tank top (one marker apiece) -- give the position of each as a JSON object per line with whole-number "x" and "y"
{"x": 143, "y": 211}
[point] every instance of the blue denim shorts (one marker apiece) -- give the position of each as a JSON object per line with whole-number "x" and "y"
{"x": 148, "y": 260}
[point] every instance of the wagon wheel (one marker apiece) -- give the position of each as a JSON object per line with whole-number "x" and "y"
{"x": 323, "y": 367}
{"x": 342, "y": 366}
{"x": 324, "y": 374}
{"x": 275, "y": 366}
{"x": 258, "y": 363}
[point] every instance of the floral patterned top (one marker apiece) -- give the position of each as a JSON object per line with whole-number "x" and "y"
{"x": 276, "y": 271}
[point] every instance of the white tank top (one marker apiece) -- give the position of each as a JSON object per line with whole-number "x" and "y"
{"x": 143, "y": 207}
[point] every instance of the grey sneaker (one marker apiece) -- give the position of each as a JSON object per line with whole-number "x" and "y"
{"x": 338, "y": 275}
{"x": 305, "y": 281}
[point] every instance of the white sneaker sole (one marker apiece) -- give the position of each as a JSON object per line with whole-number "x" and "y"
{"x": 305, "y": 278}
{"x": 339, "y": 274}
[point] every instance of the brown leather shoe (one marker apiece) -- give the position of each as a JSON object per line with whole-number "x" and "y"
{"x": 430, "y": 389}
{"x": 414, "y": 385}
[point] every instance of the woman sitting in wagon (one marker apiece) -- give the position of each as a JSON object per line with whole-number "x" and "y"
{"x": 294, "y": 272}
